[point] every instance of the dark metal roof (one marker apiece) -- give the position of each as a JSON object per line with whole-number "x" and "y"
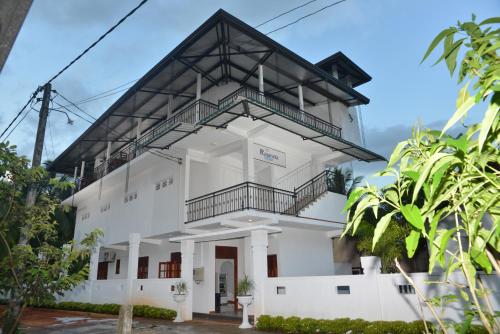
{"x": 345, "y": 66}
{"x": 222, "y": 48}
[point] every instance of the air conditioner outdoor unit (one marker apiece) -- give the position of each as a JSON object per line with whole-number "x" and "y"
{"x": 109, "y": 256}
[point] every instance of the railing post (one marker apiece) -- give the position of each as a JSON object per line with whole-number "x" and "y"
{"x": 274, "y": 202}
{"x": 295, "y": 201}
{"x": 213, "y": 205}
{"x": 248, "y": 196}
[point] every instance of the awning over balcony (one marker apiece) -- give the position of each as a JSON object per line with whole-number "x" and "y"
{"x": 221, "y": 49}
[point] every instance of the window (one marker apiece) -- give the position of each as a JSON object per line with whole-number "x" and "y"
{"x": 343, "y": 290}
{"x": 172, "y": 268}
{"x": 142, "y": 268}
{"x": 406, "y": 289}
{"x": 272, "y": 265}
{"x": 117, "y": 267}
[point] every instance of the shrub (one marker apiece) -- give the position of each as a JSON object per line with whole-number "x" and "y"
{"x": 291, "y": 325}
{"x": 343, "y": 325}
{"x": 145, "y": 311}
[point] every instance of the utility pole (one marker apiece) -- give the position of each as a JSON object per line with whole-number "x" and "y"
{"x": 37, "y": 153}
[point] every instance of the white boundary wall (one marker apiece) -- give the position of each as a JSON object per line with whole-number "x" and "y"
{"x": 155, "y": 292}
{"x": 372, "y": 297}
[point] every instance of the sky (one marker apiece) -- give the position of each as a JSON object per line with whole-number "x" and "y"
{"x": 386, "y": 38}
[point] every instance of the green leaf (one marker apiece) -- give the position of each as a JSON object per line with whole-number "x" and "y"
{"x": 413, "y": 216}
{"x": 380, "y": 228}
{"x": 353, "y": 197}
{"x": 396, "y": 154}
{"x": 491, "y": 20}
{"x": 436, "y": 41}
{"x": 451, "y": 56}
{"x": 436, "y": 161}
{"x": 469, "y": 268}
{"x": 464, "y": 295}
{"x": 489, "y": 118}
{"x": 464, "y": 103}
{"x": 412, "y": 243}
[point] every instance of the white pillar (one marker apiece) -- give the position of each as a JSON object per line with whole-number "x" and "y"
{"x": 259, "y": 243}
{"x": 301, "y": 97}
{"x": 75, "y": 173}
{"x": 94, "y": 262}
{"x": 335, "y": 72}
{"x": 198, "y": 86}
{"x": 126, "y": 310}
{"x": 139, "y": 128}
{"x": 261, "y": 78}
{"x": 187, "y": 253}
{"x": 108, "y": 155}
{"x": 82, "y": 171}
{"x": 248, "y": 165}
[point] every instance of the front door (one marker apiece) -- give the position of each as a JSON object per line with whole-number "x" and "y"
{"x": 142, "y": 268}
{"x": 228, "y": 253}
{"x": 102, "y": 270}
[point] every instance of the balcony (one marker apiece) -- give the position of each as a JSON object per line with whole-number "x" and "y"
{"x": 244, "y": 102}
{"x": 253, "y": 196}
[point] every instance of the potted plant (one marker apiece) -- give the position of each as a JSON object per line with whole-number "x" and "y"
{"x": 180, "y": 293}
{"x": 244, "y": 292}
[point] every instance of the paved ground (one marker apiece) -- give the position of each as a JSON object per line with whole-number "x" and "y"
{"x": 46, "y": 321}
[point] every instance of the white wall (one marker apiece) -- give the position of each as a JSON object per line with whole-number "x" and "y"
{"x": 328, "y": 207}
{"x": 374, "y": 297}
{"x": 302, "y": 252}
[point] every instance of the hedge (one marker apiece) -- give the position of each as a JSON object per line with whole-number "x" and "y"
{"x": 145, "y": 311}
{"x": 297, "y": 325}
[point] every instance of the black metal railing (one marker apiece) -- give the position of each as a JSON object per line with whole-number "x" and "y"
{"x": 200, "y": 112}
{"x": 249, "y": 195}
{"x": 281, "y": 108}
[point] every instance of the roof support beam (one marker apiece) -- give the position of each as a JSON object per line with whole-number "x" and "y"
{"x": 165, "y": 92}
{"x": 197, "y": 69}
{"x": 197, "y": 57}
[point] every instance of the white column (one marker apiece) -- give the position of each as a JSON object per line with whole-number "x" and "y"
{"x": 187, "y": 253}
{"x": 198, "y": 96}
{"x": 108, "y": 155}
{"x": 248, "y": 165}
{"x": 198, "y": 86}
{"x": 261, "y": 78}
{"x": 301, "y": 97}
{"x": 259, "y": 243}
{"x": 75, "y": 173}
{"x": 126, "y": 310}
{"x": 335, "y": 72}
{"x": 94, "y": 262}
{"x": 139, "y": 128}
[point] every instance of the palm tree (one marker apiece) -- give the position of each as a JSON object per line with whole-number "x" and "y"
{"x": 342, "y": 181}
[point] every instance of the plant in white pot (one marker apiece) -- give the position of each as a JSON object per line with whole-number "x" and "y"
{"x": 244, "y": 291}
{"x": 180, "y": 293}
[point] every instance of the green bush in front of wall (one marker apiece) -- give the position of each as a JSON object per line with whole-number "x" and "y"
{"x": 296, "y": 325}
{"x": 145, "y": 311}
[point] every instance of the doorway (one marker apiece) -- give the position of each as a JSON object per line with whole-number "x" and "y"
{"x": 226, "y": 280}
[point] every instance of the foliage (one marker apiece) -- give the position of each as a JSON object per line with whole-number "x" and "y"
{"x": 245, "y": 286}
{"x": 338, "y": 326}
{"x": 181, "y": 288}
{"x": 145, "y": 311}
{"x": 342, "y": 181}
{"x": 32, "y": 268}
{"x": 453, "y": 182}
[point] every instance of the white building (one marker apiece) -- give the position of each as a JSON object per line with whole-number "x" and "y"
{"x": 215, "y": 161}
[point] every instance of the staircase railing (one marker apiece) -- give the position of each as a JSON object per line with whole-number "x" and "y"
{"x": 294, "y": 177}
{"x": 249, "y": 195}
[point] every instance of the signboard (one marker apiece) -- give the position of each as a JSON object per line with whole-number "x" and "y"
{"x": 269, "y": 155}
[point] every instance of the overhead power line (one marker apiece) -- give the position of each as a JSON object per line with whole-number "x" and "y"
{"x": 98, "y": 40}
{"x": 33, "y": 96}
{"x": 305, "y": 16}
{"x": 284, "y": 13}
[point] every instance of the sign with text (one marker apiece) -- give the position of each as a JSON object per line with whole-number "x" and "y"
{"x": 269, "y": 155}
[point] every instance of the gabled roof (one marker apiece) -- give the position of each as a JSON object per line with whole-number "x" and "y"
{"x": 222, "y": 48}
{"x": 345, "y": 66}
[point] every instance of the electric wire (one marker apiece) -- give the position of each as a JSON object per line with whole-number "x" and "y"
{"x": 306, "y": 16}
{"x": 98, "y": 40}
{"x": 33, "y": 96}
{"x": 284, "y": 13}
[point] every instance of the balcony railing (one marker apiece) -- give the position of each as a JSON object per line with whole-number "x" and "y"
{"x": 249, "y": 195}
{"x": 281, "y": 108}
{"x": 189, "y": 119}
